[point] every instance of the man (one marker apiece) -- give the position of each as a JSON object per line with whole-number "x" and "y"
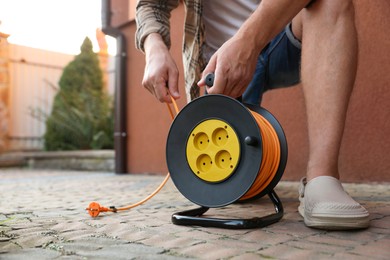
{"x": 253, "y": 46}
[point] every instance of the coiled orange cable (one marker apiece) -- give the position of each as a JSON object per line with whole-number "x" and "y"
{"x": 271, "y": 157}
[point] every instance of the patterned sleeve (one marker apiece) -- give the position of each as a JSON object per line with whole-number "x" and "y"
{"x": 152, "y": 16}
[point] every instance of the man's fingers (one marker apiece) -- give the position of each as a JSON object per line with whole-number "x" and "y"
{"x": 220, "y": 82}
{"x": 210, "y": 68}
{"x": 173, "y": 86}
{"x": 160, "y": 90}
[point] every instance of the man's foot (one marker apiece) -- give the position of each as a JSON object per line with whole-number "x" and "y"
{"x": 325, "y": 205}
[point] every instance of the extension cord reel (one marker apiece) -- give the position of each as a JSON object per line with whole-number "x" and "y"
{"x": 218, "y": 152}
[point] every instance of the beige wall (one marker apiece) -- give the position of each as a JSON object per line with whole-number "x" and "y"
{"x": 366, "y": 145}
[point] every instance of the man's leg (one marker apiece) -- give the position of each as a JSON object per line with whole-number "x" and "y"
{"x": 328, "y": 70}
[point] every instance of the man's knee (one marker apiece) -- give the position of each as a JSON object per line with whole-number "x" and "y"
{"x": 332, "y": 10}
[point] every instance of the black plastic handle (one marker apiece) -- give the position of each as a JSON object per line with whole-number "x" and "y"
{"x": 209, "y": 79}
{"x": 210, "y": 82}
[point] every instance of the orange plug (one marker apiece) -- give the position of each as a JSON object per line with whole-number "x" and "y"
{"x": 94, "y": 209}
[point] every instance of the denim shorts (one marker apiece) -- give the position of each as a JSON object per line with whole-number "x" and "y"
{"x": 278, "y": 66}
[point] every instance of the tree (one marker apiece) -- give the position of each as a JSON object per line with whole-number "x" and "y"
{"x": 82, "y": 112}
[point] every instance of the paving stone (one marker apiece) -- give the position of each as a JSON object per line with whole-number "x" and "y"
{"x": 325, "y": 239}
{"x": 126, "y": 251}
{"x": 8, "y": 247}
{"x": 283, "y": 251}
{"x": 383, "y": 222}
{"x": 322, "y": 248}
{"x": 247, "y": 256}
{"x": 264, "y": 238}
{"x": 352, "y": 255}
{"x": 171, "y": 242}
{"x": 209, "y": 251}
{"x": 31, "y": 254}
{"x": 378, "y": 249}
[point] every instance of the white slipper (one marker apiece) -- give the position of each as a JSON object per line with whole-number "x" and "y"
{"x": 325, "y": 205}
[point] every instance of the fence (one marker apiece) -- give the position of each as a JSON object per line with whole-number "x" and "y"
{"x": 34, "y": 76}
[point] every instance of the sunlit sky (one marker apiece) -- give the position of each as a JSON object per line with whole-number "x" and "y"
{"x": 55, "y": 25}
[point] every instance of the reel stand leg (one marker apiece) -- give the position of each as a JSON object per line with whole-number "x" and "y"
{"x": 193, "y": 217}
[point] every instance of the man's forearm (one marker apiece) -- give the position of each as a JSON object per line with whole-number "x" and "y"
{"x": 268, "y": 20}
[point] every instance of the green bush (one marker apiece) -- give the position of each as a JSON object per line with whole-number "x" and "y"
{"x": 82, "y": 112}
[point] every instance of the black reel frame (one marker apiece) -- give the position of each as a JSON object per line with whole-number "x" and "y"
{"x": 213, "y": 195}
{"x": 193, "y": 217}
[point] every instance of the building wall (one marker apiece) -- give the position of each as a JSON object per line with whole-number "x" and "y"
{"x": 366, "y": 145}
{"x": 148, "y": 120}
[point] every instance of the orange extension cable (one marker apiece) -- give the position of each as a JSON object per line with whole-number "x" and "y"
{"x": 268, "y": 168}
{"x": 94, "y": 208}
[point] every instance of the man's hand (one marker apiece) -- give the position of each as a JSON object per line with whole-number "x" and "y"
{"x": 161, "y": 74}
{"x": 233, "y": 65}
{"x": 235, "y": 62}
